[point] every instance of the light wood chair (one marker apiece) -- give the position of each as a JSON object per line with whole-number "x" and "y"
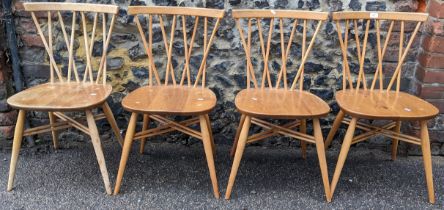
{"x": 281, "y": 100}
{"x": 381, "y": 99}
{"x": 169, "y": 96}
{"x": 69, "y": 91}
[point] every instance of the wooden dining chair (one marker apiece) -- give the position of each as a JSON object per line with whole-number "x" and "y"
{"x": 69, "y": 91}
{"x": 278, "y": 100}
{"x": 169, "y": 96}
{"x": 381, "y": 98}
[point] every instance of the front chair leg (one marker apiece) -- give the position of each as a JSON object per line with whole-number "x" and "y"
{"x": 303, "y": 129}
{"x": 395, "y": 140}
{"x": 334, "y": 128}
{"x": 17, "y": 143}
{"x": 112, "y": 121}
{"x": 427, "y": 156}
{"x": 238, "y": 156}
{"x": 321, "y": 156}
{"x": 52, "y": 120}
{"x": 204, "y": 127}
{"x": 126, "y": 150}
{"x": 343, "y": 154}
{"x": 213, "y": 146}
{"x": 236, "y": 138}
{"x": 146, "y": 123}
{"x": 94, "y": 133}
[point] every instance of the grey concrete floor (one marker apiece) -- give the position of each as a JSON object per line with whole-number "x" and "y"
{"x": 173, "y": 176}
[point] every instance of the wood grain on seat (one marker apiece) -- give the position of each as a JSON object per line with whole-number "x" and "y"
{"x": 385, "y": 105}
{"x": 179, "y": 100}
{"x": 280, "y": 103}
{"x": 61, "y": 97}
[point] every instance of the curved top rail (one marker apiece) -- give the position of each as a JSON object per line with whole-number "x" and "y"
{"x": 79, "y": 7}
{"x": 405, "y": 16}
{"x": 163, "y": 10}
{"x": 272, "y": 13}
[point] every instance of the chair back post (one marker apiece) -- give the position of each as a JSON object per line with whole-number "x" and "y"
{"x": 56, "y": 11}
{"x": 392, "y": 21}
{"x": 296, "y": 17}
{"x": 179, "y": 16}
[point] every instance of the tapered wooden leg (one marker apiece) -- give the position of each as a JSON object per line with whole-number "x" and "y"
{"x": 18, "y": 134}
{"x": 395, "y": 140}
{"x": 146, "y": 123}
{"x": 52, "y": 120}
{"x": 110, "y": 117}
{"x": 94, "y": 133}
{"x": 125, "y": 151}
{"x": 321, "y": 156}
{"x": 334, "y": 128}
{"x": 210, "y": 130}
{"x": 204, "y": 127}
{"x": 236, "y": 138}
{"x": 343, "y": 154}
{"x": 238, "y": 156}
{"x": 303, "y": 129}
{"x": 427, "y": 156}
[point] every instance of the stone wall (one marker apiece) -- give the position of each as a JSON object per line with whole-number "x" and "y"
{"x": 226, "y": 63}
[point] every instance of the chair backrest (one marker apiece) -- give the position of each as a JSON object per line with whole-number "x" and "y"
{"x": 54, "y": 24}
{"x": 301, "y": 21}
{"x": 154, "y": 16}
{"x": 376, "y": 24}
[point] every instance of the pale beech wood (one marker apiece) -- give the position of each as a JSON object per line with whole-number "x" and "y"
{"x": 271, "y": 131}
{"x": 61, "y": 97}
{"x": 405, "y": 16}
{"x": 343, "y": 154}
{"x": 279, "y": 103}
{"x": 303, "y": 129}
{"x": 168, "y": 10}
{"x": 145, "y": 126}
{"x": 321, "y": 156}
{"x": 427, "y": 156}
{"x": 179, "y": 100}
{"x": 165, "y": 127}
{"x": 112, "y": 121}
{"x": 334, "y": 128}
{"x": 395, "y": 141}
{"x": 207, "y": 143}
{"x": 296, "y": 14}
{"x": 18, "y": 134}
{"x": 52, "y": 121}
{"x": 74, "y": 123}
{"x": 53, "y": 6}
{"x": 384, "y": 105}
{"x": 95, "y": 139}
{"x": 236, "y": 138}
{"x": 238, "y": 156}
{"x": 125, "y": 151}
{"x": 210, "y": 131}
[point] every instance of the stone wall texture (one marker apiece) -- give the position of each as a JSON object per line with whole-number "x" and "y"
{"x": 226, "y": 64}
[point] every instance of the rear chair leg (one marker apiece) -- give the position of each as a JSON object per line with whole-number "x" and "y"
{"x": 94, "y": 133}
{"x": 112, "y": 121}
{"x": 334, "y": 128}
{"x": 236, "y": 138}
{"x": 303, "y": 129}
{"x": 146, "y": 123}
{"x": 427, "y": 156}
{"x": 52, "y": 120}
{"x": 321, "y": 156}
{"x": 18, "y": 134}
{"x": 395, "y": 142}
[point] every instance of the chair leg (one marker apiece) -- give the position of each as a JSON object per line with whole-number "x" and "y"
{"x": 303, "y": 129}
{"x": 213, "y": 146}
{"x": 395, "y": 140}
{"x": 94, "y": 133}
{"x": 112, "y": 121}
{"x": 238, "y": 156}
{"x": 52, "y": 120}
{"x": 126, "y": 150}
{"x": 236, "y": 138}
{"x": 427, "y": 156}
{"x": 334, "y": 128}
{"x": 321, "y": 156}
{"x": 204, "y": 127}
{"x": 17, "y": 143}
{"x": 146, "y": 123}
{"x": 343, "y": 154}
